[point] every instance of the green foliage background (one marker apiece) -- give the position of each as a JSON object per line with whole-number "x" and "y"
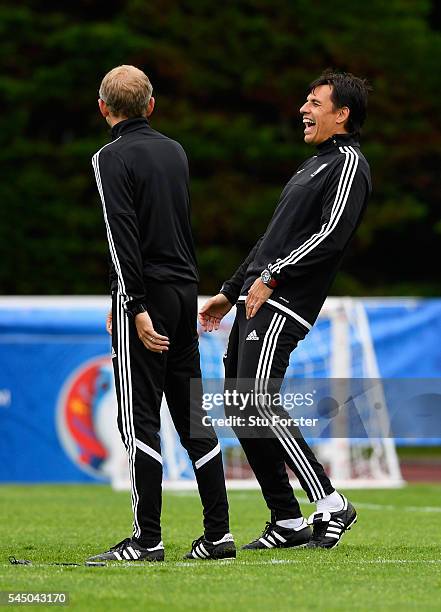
{"x": 228, "y": 79}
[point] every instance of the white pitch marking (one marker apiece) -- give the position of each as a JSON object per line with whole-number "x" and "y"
{"x": 322, "y": 561}
{"x": 368, "y": 506}
{"x": 304, "y": 500}
{"x": 235, "y": 562}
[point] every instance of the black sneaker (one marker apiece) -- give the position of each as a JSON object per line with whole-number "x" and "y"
{"x": 130, "y": 550}
{"x": 274, "y": 536}
{"x": 329, "y": 527}
{"x": 224, "y": 548}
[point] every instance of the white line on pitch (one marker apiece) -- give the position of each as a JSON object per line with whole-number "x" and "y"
{"x": 234, "y": 562}
{"x": 322, "y": 561}
{"x": 365, "y": 505}
{"x": 368, "y": 506}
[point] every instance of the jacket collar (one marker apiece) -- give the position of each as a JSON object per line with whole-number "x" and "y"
{"x": 337, "y": 140}
{"x": 129, "y": 125}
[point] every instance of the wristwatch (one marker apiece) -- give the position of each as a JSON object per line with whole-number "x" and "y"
{"x": 136, "y": 310}
{"x": 267, "y": 279}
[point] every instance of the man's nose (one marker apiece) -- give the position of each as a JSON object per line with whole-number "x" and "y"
{"x": 303, "y": 109}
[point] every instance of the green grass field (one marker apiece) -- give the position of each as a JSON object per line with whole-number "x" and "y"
{"x": 391, "y": 560}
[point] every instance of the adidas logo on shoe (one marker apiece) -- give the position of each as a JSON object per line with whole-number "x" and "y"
{"x": 252, "y": 336}
{"x": 274, "y": 536}
{"x": 129, "y": 550}
{"x": 329, "y": 527}
{"x": 222, "y": 549}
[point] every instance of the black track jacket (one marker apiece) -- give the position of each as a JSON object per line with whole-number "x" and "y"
{"x": 317, "y": 215}
{"x": 142, "y": 178}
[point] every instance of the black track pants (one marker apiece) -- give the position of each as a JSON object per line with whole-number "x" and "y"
{"x": 261, "y": 359}
{"x": 141, "y": 378}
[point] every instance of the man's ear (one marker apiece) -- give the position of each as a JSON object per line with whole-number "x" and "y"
{"x": 103, "y": 108}
{"x": 343, "y": 115}
{"x": 150, "y": 107}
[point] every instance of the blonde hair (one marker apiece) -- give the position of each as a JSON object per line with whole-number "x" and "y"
{"x": 127, "y": 91}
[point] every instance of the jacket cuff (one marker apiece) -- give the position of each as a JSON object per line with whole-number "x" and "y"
{"x": 131, "y": 304}
{"x": 231, "y": 296}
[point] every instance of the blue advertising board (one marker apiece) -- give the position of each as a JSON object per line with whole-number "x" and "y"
{"x": 56, "y": 385}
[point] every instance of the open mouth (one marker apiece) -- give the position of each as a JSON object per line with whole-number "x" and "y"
{"x": 309, "y": 125}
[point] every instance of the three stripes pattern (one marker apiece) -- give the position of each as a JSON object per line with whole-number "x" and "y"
{"x": 341, "y": 197}
{"x": 335, "y": 529}
{"x": 283, "y": 434}
{"x": 272, "y": 539}
{"x": 124, "y": 370}
{"x": 124, "y": 376}
{"x": 200, "y": 552}
{"x": 132, "y": 554}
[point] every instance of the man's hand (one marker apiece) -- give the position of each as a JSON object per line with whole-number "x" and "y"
{"x": 109, "y": 322}
{"x": 257, "y": 295}
{"x": 213, "y": 311}
{"x": 151, "y": 340}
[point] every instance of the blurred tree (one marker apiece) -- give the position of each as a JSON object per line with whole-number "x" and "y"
{"x": 229, "y": 79}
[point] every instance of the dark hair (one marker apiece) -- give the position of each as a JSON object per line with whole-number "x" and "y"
{"x": 347, "y": 90}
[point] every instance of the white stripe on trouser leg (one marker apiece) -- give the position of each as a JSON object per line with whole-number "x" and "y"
{"x": 273, "y": 327}
{"x": 285, "y": 439}
{"x": 314, "y": 481}
{"x": 132, "y": 427}
{"x": 148, "y": 450}
{"x": 126, "y": 404}
{"x": 122, "y": 390}
{"x": 265, "y": 365}
{"x": 120, "y": 376}
{"x": 126, "y": 407}
{"x": 206, "y": 458}
{"x": 124, "y": 396}
{"x": 295, "y": 446}
{"x": 301, "y": 461}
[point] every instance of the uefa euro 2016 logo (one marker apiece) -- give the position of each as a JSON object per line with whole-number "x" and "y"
{"x": 86, "y": 419}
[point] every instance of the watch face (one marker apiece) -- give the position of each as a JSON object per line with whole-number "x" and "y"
{"x": 266, "y": 276}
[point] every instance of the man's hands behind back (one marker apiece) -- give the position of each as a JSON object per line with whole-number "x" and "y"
{"x": 146, "y": 332}
{"x": 149, "y": 337}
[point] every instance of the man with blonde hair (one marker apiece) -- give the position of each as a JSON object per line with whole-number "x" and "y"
{"x": 142, "y": 178}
